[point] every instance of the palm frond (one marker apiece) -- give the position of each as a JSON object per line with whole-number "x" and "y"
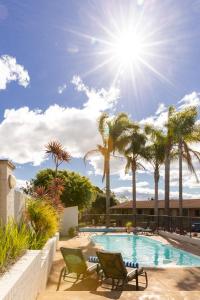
{"x": 128, "y": 164}
{"x": 102, "y": 126}
{"x": 89, "y": 153}
{"x": 188, "y": 159}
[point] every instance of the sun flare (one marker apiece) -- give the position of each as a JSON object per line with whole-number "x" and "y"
{"x": 128, "y": 48}
{"x": 129, "y": 44}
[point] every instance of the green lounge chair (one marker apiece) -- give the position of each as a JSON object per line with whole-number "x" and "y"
{"x": 112, "y": 267}
{"x": 75, "y": 263}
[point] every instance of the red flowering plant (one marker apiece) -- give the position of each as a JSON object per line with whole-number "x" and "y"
{"x": 51, "y": 194}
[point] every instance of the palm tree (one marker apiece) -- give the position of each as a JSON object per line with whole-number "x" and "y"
{"x": 156, "y": 156}
{"x": 169, "y": 140}
{"x": 110, "y": 130}
{"x": 132, "y": 146}
{"x": 186, "y": 131}
{"x": 58, "y": 154}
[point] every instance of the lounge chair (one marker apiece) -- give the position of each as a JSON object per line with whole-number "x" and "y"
{"x": 75, "y": 263}
{"x": 112, "y": 267}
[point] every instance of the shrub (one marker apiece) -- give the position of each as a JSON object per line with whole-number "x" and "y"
{"x": 129, "y": 224}
{"x": 32, "y": 233}
{"x": 72, "y": 232}
{"x": 13, "y": 243}
{"x": 78, "y": 190}
{"x": 43, "y": 219}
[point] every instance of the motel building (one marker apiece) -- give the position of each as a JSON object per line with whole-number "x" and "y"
{"x": 191, "y": 207}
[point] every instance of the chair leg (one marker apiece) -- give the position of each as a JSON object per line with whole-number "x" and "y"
{"x": 136, "y": 279}
{"x": 117, "y": 285}
{"x": 146, "y": 278}
{"x": 78, "y": 276}
{"x": 123, "y": 284}
{"x": 60, "y": 277}
{"x": 113, "y": 284}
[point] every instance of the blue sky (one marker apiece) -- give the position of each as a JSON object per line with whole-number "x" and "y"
{"x": 60, "y": 68}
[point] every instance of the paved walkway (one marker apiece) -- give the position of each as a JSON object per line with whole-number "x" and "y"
{"x": 121, "y": 296}
{"x": 169, "y": 283}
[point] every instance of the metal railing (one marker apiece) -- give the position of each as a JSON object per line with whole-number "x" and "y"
{"x": 178, "y": 224}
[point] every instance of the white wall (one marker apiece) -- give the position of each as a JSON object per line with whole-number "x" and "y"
{"x": 19, "y": 205}
{"x": 28, "y": 276}
{"x": 69, "y": 219}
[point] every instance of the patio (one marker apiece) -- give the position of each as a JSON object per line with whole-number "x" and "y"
{"x": 169, "y": 283}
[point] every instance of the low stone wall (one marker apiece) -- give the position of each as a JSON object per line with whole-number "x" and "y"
{"x": 28, "y": 276}
{"x": 181, "y": 238}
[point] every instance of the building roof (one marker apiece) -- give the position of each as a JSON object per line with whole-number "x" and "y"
{"x": 187, "y": 203}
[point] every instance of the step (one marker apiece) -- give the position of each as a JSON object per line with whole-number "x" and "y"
{"x": 126, "y": 295}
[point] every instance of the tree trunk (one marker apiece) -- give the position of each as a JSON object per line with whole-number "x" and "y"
{"x": 167, "y": 181}
{"x": 134, "y": 188}
{"x": 180, "y": 157}
{"x": 156, "y": 180}
{"x": 56, "y": 166}
{"x": 107, "y": 165}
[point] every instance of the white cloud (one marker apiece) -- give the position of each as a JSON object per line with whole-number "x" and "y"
{"x": 21, "y": 183}
{"x": 117, "y": 165}
{"x": 98, "y": 100}
{"x": 61, "y": 88}
{"x": 158, "y": 120}
{"x": 145, "y": 193}
{"x": 24, "y": 132}
{"x": 161, "y": 108}
{"x": 10, "y": 70}
{"x": 192, "y": 99}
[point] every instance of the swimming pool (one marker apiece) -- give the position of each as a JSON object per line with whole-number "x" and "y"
{"x": 146, "y": 251}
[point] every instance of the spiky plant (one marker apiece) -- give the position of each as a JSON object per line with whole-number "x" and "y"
{"x": 58, "y": 154}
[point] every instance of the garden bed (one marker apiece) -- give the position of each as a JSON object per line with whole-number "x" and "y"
{"x": 28, "y": 276}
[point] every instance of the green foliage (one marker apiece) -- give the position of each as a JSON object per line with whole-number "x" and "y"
{"x": 78, "y": 190}
{"x": 72, "y": 232}
{"x": 36, "y": 241}
{"x": 43, "y": 218}
{"x": 15, "y": 238}
{"x": 13, "y": 243}
{"x": 99, "y": 204}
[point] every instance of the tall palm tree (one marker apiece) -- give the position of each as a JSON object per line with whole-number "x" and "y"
{"x": 169, "y": 141}
{"x": 186, "y": 131}
{"x": 132, "y": 146}
{"x": 110, "y": 130}
{"x": 58, "y": 154}
{"x": 156, "y": 156}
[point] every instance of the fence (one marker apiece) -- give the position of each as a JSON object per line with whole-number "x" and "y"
{"x": 182, "y": 225}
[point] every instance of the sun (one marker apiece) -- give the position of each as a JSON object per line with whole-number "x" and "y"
{"x": 128, "y": 43}
{"x": 128, "y": 48}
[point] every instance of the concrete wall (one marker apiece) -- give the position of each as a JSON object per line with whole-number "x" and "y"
{"x": 68, "y": 219}
{"x": 6, "y": 192}
{"x": 28, "y": 276}
{"x": 19, "y": 205}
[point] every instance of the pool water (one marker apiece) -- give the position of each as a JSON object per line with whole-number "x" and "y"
{"x": 146, "y": 251}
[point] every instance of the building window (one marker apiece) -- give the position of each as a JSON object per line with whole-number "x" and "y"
{"x": 197, "y": 212}
{"x": 152, "y": 211}
{"x": 139, "y": 211}
{"x": 185, "y": 212}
